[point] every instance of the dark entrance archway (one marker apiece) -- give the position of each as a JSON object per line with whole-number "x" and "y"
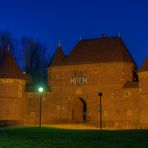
{"x": 84, "y": 110}
{"x": 79, "y": 110}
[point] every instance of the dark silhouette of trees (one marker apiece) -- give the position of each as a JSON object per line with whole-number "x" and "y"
{"x": 34, "y": 55}
{"x": 28, "y": 52}
{"x": 7, "y": 42}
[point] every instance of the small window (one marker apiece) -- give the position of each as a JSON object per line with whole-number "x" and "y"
{"x": 19, "y": 91}
{"x": 140, "y": 91}
{"x": 72, "y": 80}
{"x": 58, "y": 107}
{"x": 127, "y": 94}
{"x": 57, "y": 76}
{"x": 32, "y": 114}
{"x": 129, "y": 113}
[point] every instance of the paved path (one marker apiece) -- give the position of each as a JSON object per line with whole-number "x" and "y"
{"x": 73, "y": 126}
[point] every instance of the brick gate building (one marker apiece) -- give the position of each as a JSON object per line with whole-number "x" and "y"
{"x": 94, "y": 65}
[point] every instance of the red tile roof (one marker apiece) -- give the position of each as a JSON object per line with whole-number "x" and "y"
{"x": 9, "y": 68}
{"x": 57, "y": 57}
{"x": 104, "y": 49}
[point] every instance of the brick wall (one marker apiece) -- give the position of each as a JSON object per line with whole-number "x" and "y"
{"x": 12, "y": 101}
{"x": 118, "y": 111}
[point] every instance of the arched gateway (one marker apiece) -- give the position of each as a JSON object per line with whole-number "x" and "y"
{"x": 79, "y": 111}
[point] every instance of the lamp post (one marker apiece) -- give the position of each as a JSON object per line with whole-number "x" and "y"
{"x": 100, "y": 108}
{"x": 40, "y": 90}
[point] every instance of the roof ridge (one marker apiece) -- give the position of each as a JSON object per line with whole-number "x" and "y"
{"x": 107, "y": 37}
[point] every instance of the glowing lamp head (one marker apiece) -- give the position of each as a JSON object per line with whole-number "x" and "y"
{"x": 40, "y": 89}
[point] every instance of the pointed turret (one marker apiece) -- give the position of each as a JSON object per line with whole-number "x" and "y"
{"x": 12, "y": 85}
{"x": 58, "y": 56}
{"x": 144, "y": 66}
{"x": 9, "y": 68}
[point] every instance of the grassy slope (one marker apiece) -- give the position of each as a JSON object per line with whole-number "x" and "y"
{"x": 59, "y": 138}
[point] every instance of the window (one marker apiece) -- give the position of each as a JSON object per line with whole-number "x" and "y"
{"x": 140, "y": 91}
{"x": 127, "y": 94}
{"x": 129, "y": 113}
{"x": 32, "y": 114}
{"x": 58, "y": 107}
{"x": 19, "y": 91}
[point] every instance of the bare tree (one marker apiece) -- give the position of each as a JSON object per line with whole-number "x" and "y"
{"x": 28, "y": 52}
{"x": 6, "y": 40}
{"x": 34, "y": 56}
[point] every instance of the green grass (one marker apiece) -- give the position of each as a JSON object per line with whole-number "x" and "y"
{"x": 28, "y": 137}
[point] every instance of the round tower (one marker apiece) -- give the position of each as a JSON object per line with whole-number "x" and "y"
{"x": 12, "y": 85}
{"x": 143, "y": 90}
{"x": 143, "y": 77}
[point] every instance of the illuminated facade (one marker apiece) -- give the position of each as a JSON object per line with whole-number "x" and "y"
{"x": 12, "y": 84}
{"x": 99, "y": 65}
{"x": 94, "y": 65}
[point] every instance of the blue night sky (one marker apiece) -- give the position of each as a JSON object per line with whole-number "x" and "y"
{"x": 67, "y": 20}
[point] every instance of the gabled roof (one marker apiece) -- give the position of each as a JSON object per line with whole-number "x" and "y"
{"x": 104, "y": 49}
{"x": 144, "y": 66}
{"x": 57, "y": 57}
{"x": 9, "y": 68}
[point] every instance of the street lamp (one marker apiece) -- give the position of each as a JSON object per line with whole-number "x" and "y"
{"x": 100, "y": 109}
{"x": 40, "y": 90}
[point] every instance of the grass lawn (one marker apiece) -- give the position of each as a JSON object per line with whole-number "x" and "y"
{"x": 33, "y": 137}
